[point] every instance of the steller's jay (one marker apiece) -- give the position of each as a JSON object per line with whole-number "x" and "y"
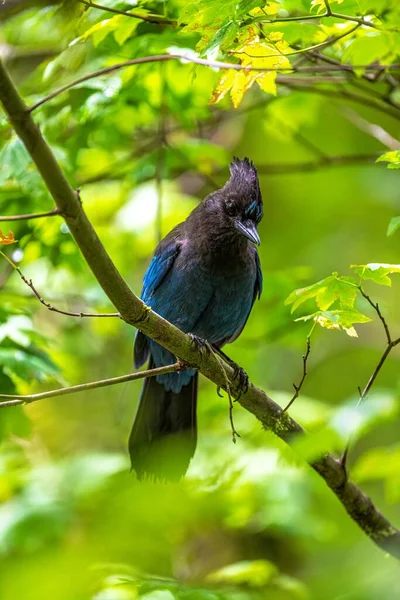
{"x": 204, "y": 278}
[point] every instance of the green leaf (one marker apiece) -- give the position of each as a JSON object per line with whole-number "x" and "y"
{"x": 326, "y": 292}
{"x": 252, "y": 573}
{"x": 377, "y": 272}
{"x": 392, "y": 157}
{"x": 370, "y": 47}
{"x": 394, "y": 225}
{"x": 120, "y": 26}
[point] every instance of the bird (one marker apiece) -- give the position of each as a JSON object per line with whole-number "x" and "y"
{"x": 204, "y": 278}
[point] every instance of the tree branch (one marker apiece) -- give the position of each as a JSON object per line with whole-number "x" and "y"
{"x": 49, "y": 213}
{"x": 134, "y": 311}
{"x": 204, "y": 62}
{"x": 49, "y": 306}
{"x": 15, "y": 400}
{"x": 389, "y": 347}
{"x": 328, "y": 13}
{"x": 143, "y": 16}
{"x": 313, "y": 165}
{"x": 298, "y": 387}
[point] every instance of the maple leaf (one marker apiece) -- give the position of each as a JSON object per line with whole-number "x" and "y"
{"x": 254, "y": 55}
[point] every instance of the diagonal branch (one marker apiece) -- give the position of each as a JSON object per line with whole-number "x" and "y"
{"x": 15, "y": 400}
{"x": 357, "y": 504}
{"x": 136, "y": 15}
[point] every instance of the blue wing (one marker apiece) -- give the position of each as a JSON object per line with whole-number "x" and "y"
{"x": 257, "y": 294}
{"x": 157, "y": 271}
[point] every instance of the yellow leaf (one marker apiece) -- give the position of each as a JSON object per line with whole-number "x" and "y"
{"x": 224, "y": 85}
{"x": 6, "y": 240}
{"x": 242, "y": 82}
{"x": 266, "y": 81}
{"x": 269, "y": 10}
{"x": 263, "y": 60}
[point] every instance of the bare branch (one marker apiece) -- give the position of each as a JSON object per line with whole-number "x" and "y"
{"x": 357, "y": 504}
{"x": 328, "y": 8}
{"x": 297, "y": 388}
{"x": 375, "y": 306}
{"x": 328, "y": 13}
{"x": 313, "y": 165}
{"x": 49, "y": 306}
{"x": 136, "y": 15}
{"x": 390, "y": 345}
{"x": 15, "y": 400}
{"x": 303, "y": 86}
{"x": 372, "y": 129}
{"x": 49, "y": 213}
{"x": 204, "y": 62}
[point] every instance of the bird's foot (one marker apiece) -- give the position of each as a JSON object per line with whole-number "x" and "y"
{"x": 200, "y": 344}
{"x": 243, "y": 384}
{"x": 239, "y": 373}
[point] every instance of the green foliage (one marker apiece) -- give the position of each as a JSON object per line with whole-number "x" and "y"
{"x": 376, "y": 272}
{"x": 331, "y": 291}
{"x": 392, "y": 157}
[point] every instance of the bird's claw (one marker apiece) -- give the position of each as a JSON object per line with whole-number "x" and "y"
{"x": 200, "y": 344}
{"x": 243, "y": 383}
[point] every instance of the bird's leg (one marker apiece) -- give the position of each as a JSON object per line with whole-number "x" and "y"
{"x": 239, "y": 372}
{"x": 200, "y": 344}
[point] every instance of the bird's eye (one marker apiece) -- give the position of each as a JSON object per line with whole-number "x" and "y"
{"x": 231, "y": 208}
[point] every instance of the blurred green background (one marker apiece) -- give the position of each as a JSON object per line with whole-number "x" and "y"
{"x": 250, "y": 520}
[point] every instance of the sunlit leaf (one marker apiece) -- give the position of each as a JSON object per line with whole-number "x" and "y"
{"x": 337, "y": 319}
{"x": 254, "y": 54}
{"x": 326, "y": 292}
{"x": 392, "y": 157}
{"x": 255, "y": 573}
{"x": 377, "y": 272}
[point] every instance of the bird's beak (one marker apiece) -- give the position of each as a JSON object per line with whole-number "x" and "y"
{"x": 248, "y": 229}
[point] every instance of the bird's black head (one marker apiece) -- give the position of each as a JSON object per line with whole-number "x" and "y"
{"x": 241, "y": 200}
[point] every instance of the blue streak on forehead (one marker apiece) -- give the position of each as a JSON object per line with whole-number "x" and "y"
{"x": 254, "y": 212}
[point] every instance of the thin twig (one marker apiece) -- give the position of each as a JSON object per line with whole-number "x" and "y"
{"x": 49, "y": 213}
{"x": 335, "y": 15}
{"x": 292, "y": 83}
{"x": 313, "y": 165}
{"x": 150, "y": 18}
{"x": 328, "y": 8}
{"x": 390, "y": 345}
{"x": 235, "y": 434}
{"x": 298, "y": 387}
{"x": 198, "y": 61}
{"x": 15, "y": 400}
{"x": 375, "y": 306}
{"x": 49, "y": 306}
